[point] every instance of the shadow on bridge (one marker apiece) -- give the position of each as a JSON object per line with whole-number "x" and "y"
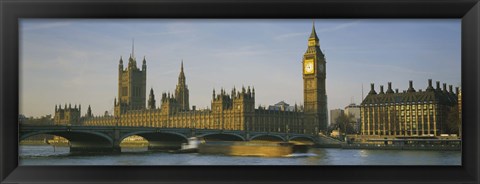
{"x": 109, "y": 138}
{"x": 273, "y": 138}
{"x": 160, "y": 140}
{"x": 81, "y": 141}
{"x": 221, "y": 137}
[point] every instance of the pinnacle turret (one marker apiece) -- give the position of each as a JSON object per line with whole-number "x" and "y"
{"x": 313, "y": 35}
{"x": 151, "y": 100}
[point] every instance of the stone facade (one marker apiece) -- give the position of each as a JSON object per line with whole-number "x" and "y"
{"x": 229, "y": 111}
{"x": 314, "y": 90}
{"x": 411, "y": 113}
{"x": 67, "y": 115}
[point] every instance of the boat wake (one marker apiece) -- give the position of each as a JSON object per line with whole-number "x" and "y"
{"x": 301, "y": 155}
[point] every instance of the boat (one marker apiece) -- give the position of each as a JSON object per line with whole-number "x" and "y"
{"x": 191, "y": 146}
{"x": 253, "y": 148}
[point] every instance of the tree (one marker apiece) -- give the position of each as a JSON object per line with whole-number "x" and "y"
{"x": 344, "y": 123}
{"x": 453, "y": 121}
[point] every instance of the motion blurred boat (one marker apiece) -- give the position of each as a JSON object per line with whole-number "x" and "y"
{"x": 191, "y": 146}
{"x": 261, "y": 149}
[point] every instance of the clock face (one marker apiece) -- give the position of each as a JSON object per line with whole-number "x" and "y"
{"x": 308, "y": 66}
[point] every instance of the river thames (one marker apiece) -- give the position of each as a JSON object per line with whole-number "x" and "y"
{"x": 48, "y": 155}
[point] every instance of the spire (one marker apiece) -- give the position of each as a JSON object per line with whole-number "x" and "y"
{"x": 89, "y": 111}
{"x": 121, "y": 61}
{"x": 253, "y": 92}
{"x": 181, "y": 76}
{"x": 144, "y": 61}
{"x": 133, "y": 47}
{"x": 313, "y": 35}
{"x": 151, "y": 100}
{"x": 181, "y": 67}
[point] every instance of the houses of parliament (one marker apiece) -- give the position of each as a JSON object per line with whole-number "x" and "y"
{"x": 230, "y": 110}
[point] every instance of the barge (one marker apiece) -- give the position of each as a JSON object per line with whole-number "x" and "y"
{"x": 261, "y": 149}
{"x": 242, "y": 148}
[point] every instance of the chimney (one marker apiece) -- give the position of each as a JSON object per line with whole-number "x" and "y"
{"x": 438, "y": 85}
{"x": 396, "y": 90}
{"x": 444, "y": 87}
{"x": 372, "y": 89}
{"x": 429, "y": 87}
{"x": 450, "y": 88}
{"x": 381, "y": 89}
{"x": 457, "y": 90}
{"x": 410, "y": 86}
{"x": 389, "y": 90}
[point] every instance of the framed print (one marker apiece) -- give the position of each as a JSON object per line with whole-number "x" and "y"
{"x": 222, "y": 91}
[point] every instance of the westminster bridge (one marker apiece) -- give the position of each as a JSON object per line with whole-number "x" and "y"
{"x": 108, "y": 138}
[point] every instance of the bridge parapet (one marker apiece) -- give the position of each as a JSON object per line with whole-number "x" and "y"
{"x": 113, "y": 135}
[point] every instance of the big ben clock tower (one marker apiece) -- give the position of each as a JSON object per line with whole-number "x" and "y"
{"x": 314, "y": 93}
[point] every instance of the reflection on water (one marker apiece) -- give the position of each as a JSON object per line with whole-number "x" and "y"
{"x": 48, "y": 155}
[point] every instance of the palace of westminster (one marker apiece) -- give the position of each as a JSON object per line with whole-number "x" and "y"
{"x": 233, "y": 110}
{"x": 412, "y": 112}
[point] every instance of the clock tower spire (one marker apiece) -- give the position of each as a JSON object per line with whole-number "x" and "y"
{"x": 314, "y": 91}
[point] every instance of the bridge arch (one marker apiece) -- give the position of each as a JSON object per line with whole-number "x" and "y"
{"x": 302, "y": 139}
{"x": 146, "y": 134}
{"x": 88, "y": 141}
{"x": 267, "y": 137}
{"x": 222, "y": 137}
{"x": 69, "y": 135}
{"x": 159, "y": 140}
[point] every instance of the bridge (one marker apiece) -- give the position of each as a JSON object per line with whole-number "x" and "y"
{"x": 108, "y": 138}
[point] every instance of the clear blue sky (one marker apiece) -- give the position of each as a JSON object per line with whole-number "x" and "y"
{"x": 75, "y": 61}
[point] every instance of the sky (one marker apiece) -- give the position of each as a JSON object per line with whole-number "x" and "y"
{"x": 76, "y": 60}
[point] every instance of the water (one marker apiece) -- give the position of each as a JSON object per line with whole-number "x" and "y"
{"x": 46, "y": 155}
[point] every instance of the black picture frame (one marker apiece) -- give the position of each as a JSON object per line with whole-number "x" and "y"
{"x": 12, "y": 11}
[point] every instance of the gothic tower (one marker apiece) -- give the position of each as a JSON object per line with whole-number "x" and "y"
{"x": 131, "y": 85}
{"x": 314, "y": 92}
{"x": 181, "y": 92}
{"x": 151, "y": 100}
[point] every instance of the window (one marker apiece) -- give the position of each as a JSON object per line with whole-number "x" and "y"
{"x": 124, "y": 91}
